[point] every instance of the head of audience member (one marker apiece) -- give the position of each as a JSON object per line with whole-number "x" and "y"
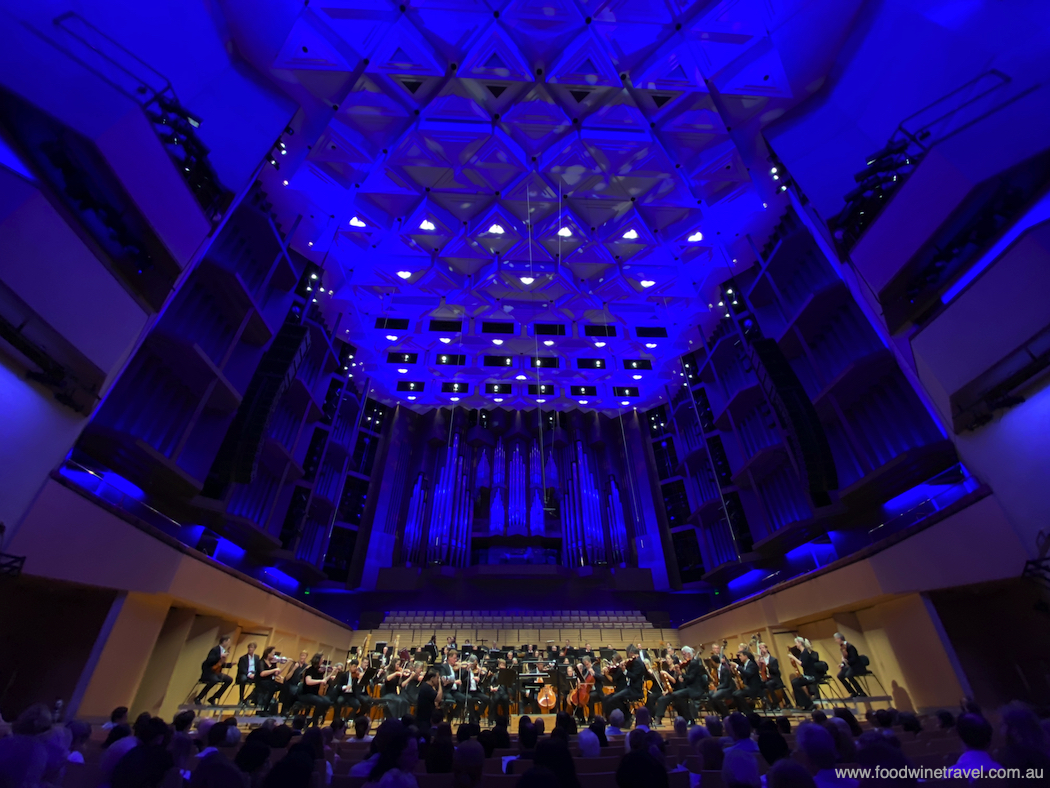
{"x": 217, "y": 735}
{"x": 819, "y": 716}
{"x": 1020, "y": 726}
{"x": 400, "y": 751}
{"x": 740, "y": 770}
{"x": 79, "y": 733}
{"x": 467, "y": 764}
{"x": 681, "y": 726}
{"x": 754, "y": 720}
{"x": 280, "y": 737}
{"x": 616, "y": 719}
{"x": 641, "y": 717}
{"x": 589, "y": 745}
{"x": 183, "y": 721}
{"x": 876, "y": 749}
{"x": 149, "y": 766}
{"x": 945, "y": 720}
{"x": 119, "y": 715}
{"x": 636, "y": 740}
{"x": 294, "y": 770}
{"x": 361, "y": 726}
{"x": 252, "y": 758}
{"x": 909, "y": 722}
{"x": 536, "y": 777}
{"x": 527, "y": 737}
{"x": 815, "y": 748}
{"x": 696, "y": 735}
{"x": 772, "y": 745}
{"x": 487, "y": 740}
{"x": 116, "y": 733}
{"x": 298, "y": 725}
{"x": 883, "y": 718}
{"x": 204, "y": 725}
{"x": 23, "y": 761}
{"x": 541, "y": 725}
{"x": 737, "y": 727}
{"x": 34, "y": 721}
{"x": 566, "y": 721}
{"x": 464, "y": 732}
{"x": 233, "y": 736}
{"x": 560, "y": 735}
{"x": 975, "y": 732}
{"x": 714, "y": 726}
{"x": 555, "y": 755}
{"x": 784, "y": 723}
{"x": 523, "y": 720}
{"x": 314, "y": 740}
{"x": 847, "y": 715}
{"x": 845, "y": 746}
{"x": 786, "y": 773}
{"x": 500, "y": 734}
{"x": 639, "y": 769}
{"x": 598, "y": 729}
{"x": 338, "y": 727}
{"x": 441, "y": 751}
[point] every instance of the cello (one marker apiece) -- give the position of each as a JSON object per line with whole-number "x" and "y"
{"x": 581, "y": 696}
{"x": 547, "y": 697}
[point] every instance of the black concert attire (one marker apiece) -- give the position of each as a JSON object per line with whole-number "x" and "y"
{"x": 248, "y": 667}
{"x": 753, "y": 686}
{"x": 853, "y": 667}
{"x": 477, "y": 699}
{"x": 310, "y": 697}
{"x": 265, "y": 686}
{"x": 291, "y": 688}
{"x": 425, "y": 703}
{"x": 632, "y": 676}
{"x": 774, "y": 682}
{"x": 341, "y": 695}
{"x": 211, "y": 677}
{"x": 693, "y": 686}
{"x": 452, "y": 697}
{"x": 810, "y": 676}
{"x": 724, "y": 691}
{"x": 499, "y": 697}
{"x": 410, "y": 692}
{"x": 588, "y": 710}
{"x": 395, "y": 705}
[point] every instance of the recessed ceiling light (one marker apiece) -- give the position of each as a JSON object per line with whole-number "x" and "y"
{"x": 599, "y": 344}
{"x": 404, "y": 274}
{"x": 541, "y": 400}
{"x": 497, "y": 342}
{"x": 313, "y": 276}
{"x": 391, "y": 337}
{"x": 625, "y": 402}
{"x": 426, "y": 224}
{"x": 583, "y": 402}
{"x": 650, "y": 345}
{"x": 285, "y": 183}
{"x": 636, "y": 377}
{"x": 527, "y": 280}
{"x": 496, "y": 229}
{"x": 772, "y": 170}
{"x": 630, "y": 235}
{"x": 355, "y": 222}
{"x": 453, "y": 399}
{"x": 764, "y": 205}
{"x": 402, "y": 370}
{"x": 565, "y": 232}
{"x": 445, "y": 340}
{"x": 521, "y": 377}
{"x": 697, "y": 236}
{"x": 647, "y": 283}
{"x": 412, "y": 397}
{"x": 548, "y": 342}
{"x": 309, "y": 243}
{"x": 497, "y": 399}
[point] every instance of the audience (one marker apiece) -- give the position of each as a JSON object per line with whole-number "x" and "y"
{"x": 789, "y": 774}
{"x": 589, "y": 745}
{"x": 361, "y": 726}
{"x": 555, "y": 756}
{"x": 739, "y": 730}
{"x": 772, "y": 744}
{"x": 816, "y": 751}
{"x": 714, "y": 725}
{"x": 642, "y": 719}
{"x": 119, "y": 716}
{"x": 975, "y": 732}
{"x": 740, "y": 769}
{"x": 616, "y": 721}
{"x": 639, "y": 769}
{"x": 441, "y": 752}
{"x": 711, "y": 754}
{"x": 467, "y": 765}
{"x": 598, "y": 729}
{"x": 845, "y": 746}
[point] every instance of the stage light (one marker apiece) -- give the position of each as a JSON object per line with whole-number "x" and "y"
{"x": 625, "y": 402}
{"x": 496, "y": 229}
{"x": 404, "y": 274}
{"x": 411, "y": 397}
{"x": 541, "y": 401}
{"x": 764, "y": 205}
{"x": 734, "y": 259}
{"x": 313, "y": 276}
{"x": 521, "y": 377}
{"x": 776, "y": 177}
{"x": 599, "y": 344}
{"x": 309, "y": 289}
{"x": 630, "y": 235}
{"x": 497, "y": 342}
{"x": 309, "y": 243}
{"x": 650, "y": 345}
{"x": 636, "y": 377}
{"x": 565, "y": 232}
{"x": 772, "y": 170}
{"x": 783, "y": 187}
{"x": 548, "y": 342}
{"x": 426, "y": 224}
{"x": 391, "y": 337}
{"x": 445, "y": 340}
{"x": 444, "y": 358}
{"x": 729, "y": 290}
{"x": 647, "y": 283}
{"x": 527, "y": 280}
{"x": 453, "y": 399}
{"x": 721, "y": 303}
{"x": 285, "y": 183}
{"x": 497, "y": 399}
{"x": 403, "y": 370}
{"x": 355, "y": 222}
{"x": 697, "y": 236}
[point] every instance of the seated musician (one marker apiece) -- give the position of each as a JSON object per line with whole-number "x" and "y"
{"x": 452, "y": 693}
{"x": 266, "y": 680}
{"x": 692, "y": 686}
{"x": 772, "y": 669}
{"x": 499, "y": 697}
{"x": 633, "y": 674}
{"x": 726, "y": 685}
{"x": 291, "y": 685}
{"x": 477, "y": 698}
{"x": 808, "y": 662}
{"x": 310, "y": 695}
{"x": 211, "y": 672}
{"x": 589, "y": 672}
{"x": 753, "y": 686}
{"x": 850, "y": 667}
{"x": 410, "y": 686}
{"x": 247, "y": 672}
{"x": 390, "y": 697}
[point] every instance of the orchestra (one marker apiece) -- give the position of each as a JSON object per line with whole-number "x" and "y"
{"x": 480, "y": 681}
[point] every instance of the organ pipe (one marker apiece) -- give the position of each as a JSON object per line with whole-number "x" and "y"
{"x": 617, "y": 526}
{"x": 414, "y": 523}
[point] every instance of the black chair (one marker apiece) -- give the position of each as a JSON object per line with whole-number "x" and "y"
{"x": 866, "y": 674}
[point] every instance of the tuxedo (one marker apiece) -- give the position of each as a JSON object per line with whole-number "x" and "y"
{"x": 753, "y": 686}
{"x": 209, "y": 677}
{"x": 453, "y": 696}
{"x": 725, "y": 690}
{"x": 774, "y": 682}
{"x": 853, "y": 667}
{"x": 810, "y": 676}
{"x": 248, "y": 663}
{"x": 692, "y": 686}
{"x": 630, "y": 679}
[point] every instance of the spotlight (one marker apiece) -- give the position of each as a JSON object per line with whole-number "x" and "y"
{"x": 565, "y": 232}
{"x": 403, "y": 370}
{"x": 355, "y": 222}
{"x": 541, "y": 401}
{"x": 404, "y": 274}
{"x": 426, "y": 224}
{"x": 630, "y": 235}
{"x": 496, "y": 229}
{"x": 548, "y": 342}
{"x": 625, "y": 402}
{"x": 411, "y": 397}
{"x": 527, "y": 280}
{"x": 583, "y": 402}
{"x": 309, "y": 243}
{"x": 599, "y": 344}
{"x": 497, "y": 399}
{"x": 772, "y": 170}
{"x": 445, "y": 340}
{"x": 650, "y": 345}
{"x": 697, "y": 236}
{"x": 453, "y": 399}
{"x": 313, "y": 276}
{"x": 636, "y": 377}
{"x": 721, "y": 303}
{"x": 647, "y": 283}
{"x": 285, "y": 183}
{"x": 497, "y": 342}
{"x": 521, "y": 377}
{"x": 391, "y": 337}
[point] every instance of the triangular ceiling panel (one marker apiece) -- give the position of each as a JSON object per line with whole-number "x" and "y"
{"x": 360, "y": 23}
{"x": 308, "y": 47}
{"x": 672, "y": 68}
{"x": 584, "y": 63}
{"x": 495, "y": 57}
{"x": 759, "y": 73}
{"x": 405, "y": 51}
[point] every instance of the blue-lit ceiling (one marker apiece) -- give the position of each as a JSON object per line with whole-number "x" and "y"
{"x": 538, "y": 161}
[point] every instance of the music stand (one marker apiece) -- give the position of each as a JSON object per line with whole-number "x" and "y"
{"x": 606, "y": 653}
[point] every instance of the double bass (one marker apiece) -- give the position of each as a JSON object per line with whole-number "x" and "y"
{"x": 581, "y": 696}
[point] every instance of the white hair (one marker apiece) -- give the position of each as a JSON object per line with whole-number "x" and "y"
{"x": 740, "y": 768}
{"x": 590, "y": 747}
{"x": 688, "y": 651}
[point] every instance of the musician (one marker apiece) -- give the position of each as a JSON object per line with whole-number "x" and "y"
{"x": 410, "y": 686}
{"x": 211, "y": 672}
{"x": 499, "y": 698}
{"x": 850, "y": 667}
{"x": 430, "y": 697}
{"x": 315, "y": 677}
{"x": 450, "y": 682}
{"x": 752, "y": 680}
{"x": 589, "y": 672}
{"x": 431, "y": 649}
{"x": 292, "y": 684}
{"x": 726, "y": 685}
{"x": 266, "y": 685}
{"x": 476, "y": 699}
{"x": 774, "y": 682}
{"x": 692, "y": 686}
{"x": 350, "y": 690}
{"x": 390, "y": 698}
{"x": 810, "y": 665}
{"x": 656, "y": 691}
{"x": 247, "y": 669}
{"x": 633, "y": 676}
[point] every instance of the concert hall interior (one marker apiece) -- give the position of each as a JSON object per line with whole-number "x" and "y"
{"x": 360, "y": 327}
